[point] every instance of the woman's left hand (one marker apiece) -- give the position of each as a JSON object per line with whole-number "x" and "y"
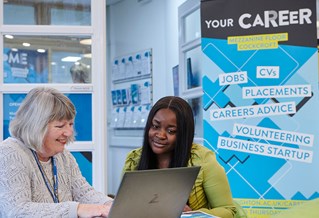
{"x": 94, "y": 210}
{"x": 187, "y": 208}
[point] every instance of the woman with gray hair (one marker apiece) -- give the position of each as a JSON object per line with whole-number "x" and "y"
{"x": 80, "y": 73}
{"x": 38, "y": 176}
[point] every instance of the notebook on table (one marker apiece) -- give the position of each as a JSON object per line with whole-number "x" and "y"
{"x": 197, "y": 214}
{"x": 160, "y": 193}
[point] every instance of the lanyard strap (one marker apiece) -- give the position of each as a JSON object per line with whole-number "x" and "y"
{"x": 54, "y": 192}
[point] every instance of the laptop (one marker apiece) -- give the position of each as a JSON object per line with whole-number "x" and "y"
{"x": 160, "y": 193}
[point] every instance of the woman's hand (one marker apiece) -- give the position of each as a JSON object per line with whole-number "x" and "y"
{"x": 187, "y": 208}
{"x": 94, "y": 210}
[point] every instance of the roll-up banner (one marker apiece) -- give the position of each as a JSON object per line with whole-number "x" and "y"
{"x": 260, "y": 100}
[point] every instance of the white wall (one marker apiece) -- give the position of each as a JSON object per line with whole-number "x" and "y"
{"x": 131, "y": 27}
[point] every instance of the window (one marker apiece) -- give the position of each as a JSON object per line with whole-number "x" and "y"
{"x": 46, "y": 59}
{"x": 47, "y": 12}
{"x": 58, "y": 44}
{"x": 190, "y": 72}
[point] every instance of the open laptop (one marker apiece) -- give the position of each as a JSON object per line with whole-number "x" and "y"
{"x": 160, "y": 193}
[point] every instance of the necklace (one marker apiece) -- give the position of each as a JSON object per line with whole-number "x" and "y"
{"x": 53, "y": 189}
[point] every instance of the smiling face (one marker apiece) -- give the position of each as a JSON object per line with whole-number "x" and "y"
{"x": 162, "y": 134}
{"x": 57, "y": 136}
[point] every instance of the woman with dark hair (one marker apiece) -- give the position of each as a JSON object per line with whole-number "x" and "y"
{"x": 168, "y": 143}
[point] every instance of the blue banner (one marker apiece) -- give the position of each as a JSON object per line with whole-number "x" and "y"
{"x": 84, "y": 160}
{"x": 260, "y": 88}
{"x": 25, "y": 66}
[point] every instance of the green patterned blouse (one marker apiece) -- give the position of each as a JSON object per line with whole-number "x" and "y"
{"x": 211, "y": 192}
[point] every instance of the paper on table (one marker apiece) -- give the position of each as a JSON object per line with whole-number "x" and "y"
{"x": 197, "y": 214}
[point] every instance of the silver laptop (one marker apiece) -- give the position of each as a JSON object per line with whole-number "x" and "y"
{"x": 160, "y": 193}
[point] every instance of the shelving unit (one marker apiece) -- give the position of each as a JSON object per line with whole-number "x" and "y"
{"x": 131, "y": 90}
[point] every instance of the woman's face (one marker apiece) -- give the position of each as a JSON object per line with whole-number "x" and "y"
{"x": 162, "y": 134}
{"x": 57, "y": 136}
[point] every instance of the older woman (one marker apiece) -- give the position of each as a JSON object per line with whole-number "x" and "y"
{"x": 38, "y": 176}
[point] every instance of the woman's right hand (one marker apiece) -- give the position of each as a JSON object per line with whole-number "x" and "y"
{"x": 94, "y": 210}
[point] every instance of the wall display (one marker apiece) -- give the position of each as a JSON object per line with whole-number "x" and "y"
{"x": 175, "y": 71}
{"x": 131, "y": 92}
{"x": 260, "y": 95}
{"x": 24, "y": 66}
{"x": 192, "y": 76}
{"x": 83, "y": 119}
{"x": 134, "y": 65}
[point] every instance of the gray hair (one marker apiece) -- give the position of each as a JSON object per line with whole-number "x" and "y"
{"x": 80, "y": 73}
{"x": 41, "y": 106}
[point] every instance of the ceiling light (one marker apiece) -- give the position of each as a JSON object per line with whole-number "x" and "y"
{"x": 9, "y": 36}
{"x": 41, "y": 50}
{"x": 86, "y": 41}
{"x": 88, "y": 55}
{"x": 26, "y": 44}
{"x": 70, "y": 59}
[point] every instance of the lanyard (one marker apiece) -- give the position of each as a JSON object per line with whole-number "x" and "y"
{"x": 54, "y": 192}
